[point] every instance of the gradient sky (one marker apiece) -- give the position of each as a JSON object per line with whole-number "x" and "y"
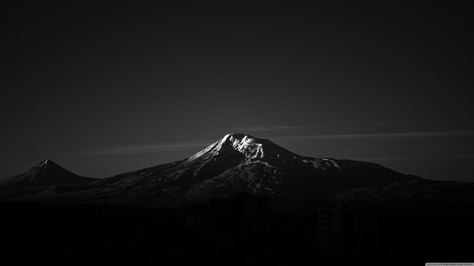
{"x": 103, "y": 89}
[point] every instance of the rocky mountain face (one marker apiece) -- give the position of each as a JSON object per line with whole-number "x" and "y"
{"x": 234, "y": 164}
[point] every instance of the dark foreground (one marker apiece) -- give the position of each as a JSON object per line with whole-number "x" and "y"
{"x": 238, "y": 231}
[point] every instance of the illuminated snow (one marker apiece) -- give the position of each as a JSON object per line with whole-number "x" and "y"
{"x": 247, "y": 146}
{"x": 241, "y": 143}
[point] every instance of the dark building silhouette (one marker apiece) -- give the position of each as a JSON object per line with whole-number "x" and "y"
{"x": 325, "y": 229}
{"x": 329, "y": 229}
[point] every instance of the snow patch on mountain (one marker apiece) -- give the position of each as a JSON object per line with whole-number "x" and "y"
{"x": 247, "y": 146}
{"x": 244, "y": 144}
{"x": 323, "y": 163}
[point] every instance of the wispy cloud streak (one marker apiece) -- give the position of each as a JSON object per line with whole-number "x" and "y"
{"x": 150, "y": 148}
{"x": 381, "y": 135}
{"x": 264, "y": 128}
{"x": 412, "y": 158}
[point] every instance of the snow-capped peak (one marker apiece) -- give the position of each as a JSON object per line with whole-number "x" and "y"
{"x": 249, "y": 146}
{"x": 246, "y": 145}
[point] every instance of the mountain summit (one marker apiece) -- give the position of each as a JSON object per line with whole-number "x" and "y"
{"x": 248, "y": 146}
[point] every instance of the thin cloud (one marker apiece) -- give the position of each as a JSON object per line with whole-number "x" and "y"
{"x": 391, "y": 158}
{"x": 245, "y": 129}
{"x": 150, "y": 148}
{"x": 411, "y": 158}
{"x": 382, "y": 135}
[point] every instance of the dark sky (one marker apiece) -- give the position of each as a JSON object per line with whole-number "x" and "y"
{"x": 103, "y": 89}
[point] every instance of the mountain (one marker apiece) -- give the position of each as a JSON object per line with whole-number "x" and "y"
{"x": 42, "y": 175}
{"x": 234, "y": 164}
{"x": 242, "y": 163}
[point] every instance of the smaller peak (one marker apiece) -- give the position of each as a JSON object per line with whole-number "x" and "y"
{"x": 46, "y": 162}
